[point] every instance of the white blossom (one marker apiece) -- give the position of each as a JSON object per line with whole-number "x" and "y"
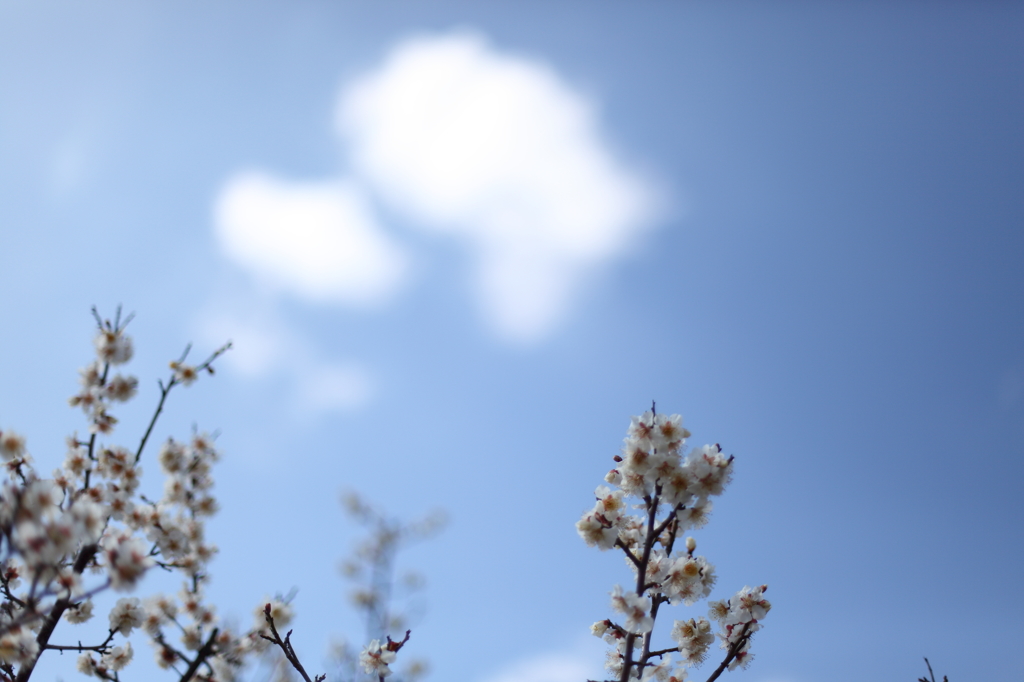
{"x": 18, "y": 645}
{"x": 127, "y": 559}
{"x": 118, "y": 657}
{"x": 375, "y": 660}
{"x": 635, "y": 608}
{"x": 126, "y": 615}
{"x": 79, "y": 613}
{"x": 86, "y": 665}
{"x": 184, "y": 374}
{"x": 12, "y": 445}
{"x": 114, "y": 347}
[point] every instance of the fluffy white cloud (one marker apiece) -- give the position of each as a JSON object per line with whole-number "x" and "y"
{"x": 498, "y": 149}
{"x": 315, "y": 239}
{"x": 492, "y": 148}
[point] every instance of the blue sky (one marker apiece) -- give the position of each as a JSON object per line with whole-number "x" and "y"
{"x": 457, "y": 245}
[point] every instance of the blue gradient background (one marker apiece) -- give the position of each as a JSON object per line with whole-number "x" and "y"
{"x": 836, "y": 296}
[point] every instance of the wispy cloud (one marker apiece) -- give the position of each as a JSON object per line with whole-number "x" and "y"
{"x": 334, "y": 387}
{"x": 498, "y": 149}
{"x": 264, "y": 346}
{"x": 552, "y": 667}
{"x": 318, "y": 240}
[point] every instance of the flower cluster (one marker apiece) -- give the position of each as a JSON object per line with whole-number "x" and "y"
{"x": 738, "y": 618}
{"x": 673, "y": 492}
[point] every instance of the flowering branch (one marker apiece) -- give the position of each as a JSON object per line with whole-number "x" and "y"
{"x": 204, "y": 653}
{"x": 286, "y": 646}
{"x": 85, "y": 556}
{"x": 377, "y": 658}
{"x": 673, "y": 494}
{"x": 734, "y": 650}
{"x": 183, "y": 374}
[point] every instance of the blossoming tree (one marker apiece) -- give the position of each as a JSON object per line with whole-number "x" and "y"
{"x": 88, "y": 529}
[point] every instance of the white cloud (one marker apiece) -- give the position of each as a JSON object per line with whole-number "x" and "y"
{"x": 491, "y": 148}
{"x": 314, "y": 239}
{"x": 554, "y": 667}
{"x": 499, "y": 150}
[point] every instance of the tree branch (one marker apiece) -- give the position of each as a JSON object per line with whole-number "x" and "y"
{"x": 201, "y": 656}
{"x": 733, "y": 650}
{"x": 85, "y": 555}
{"x": 286, "y": 647}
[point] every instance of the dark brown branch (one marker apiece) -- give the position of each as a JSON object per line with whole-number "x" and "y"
{"x": 205, "y": 652}
{"x": 733, "y": 650}
{"x": 165, "y": 647}
{"x": 286, "y": 647}
{"x": 629, "y": 553}
{"x": 930, "y": 673}
{"x": 85, "y": 555}
{"x": 164, "y": 390}
{"x": 668, "y": 519}
{"x": 98, "y": 648}
{"x": 641, "y": 574}
{"x": 92, "y": 436}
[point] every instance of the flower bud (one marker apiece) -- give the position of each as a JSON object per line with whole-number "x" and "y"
{"x": 691, "y": 545}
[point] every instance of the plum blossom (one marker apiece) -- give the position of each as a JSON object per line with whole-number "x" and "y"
{"x": 693, "y": 637}
{"x": 127, "y": 559}
{"x": 118, "y": 657}
{"x": 635, "y": 608}
{"x": 184, "y": 374}
{"x": 126, "y": 615}
{"x": 80, "y": 612}
{"x": 375, "y": 660}
{"x": 114, "y": 347}
{"x": 12, "y": 445}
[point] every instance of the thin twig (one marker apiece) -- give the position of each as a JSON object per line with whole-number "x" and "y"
{"x": 164, "y": 390}
{"x": 99, "y": 648}
{"x": 286, "y": 647}
{"x": 930, "y": 673}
